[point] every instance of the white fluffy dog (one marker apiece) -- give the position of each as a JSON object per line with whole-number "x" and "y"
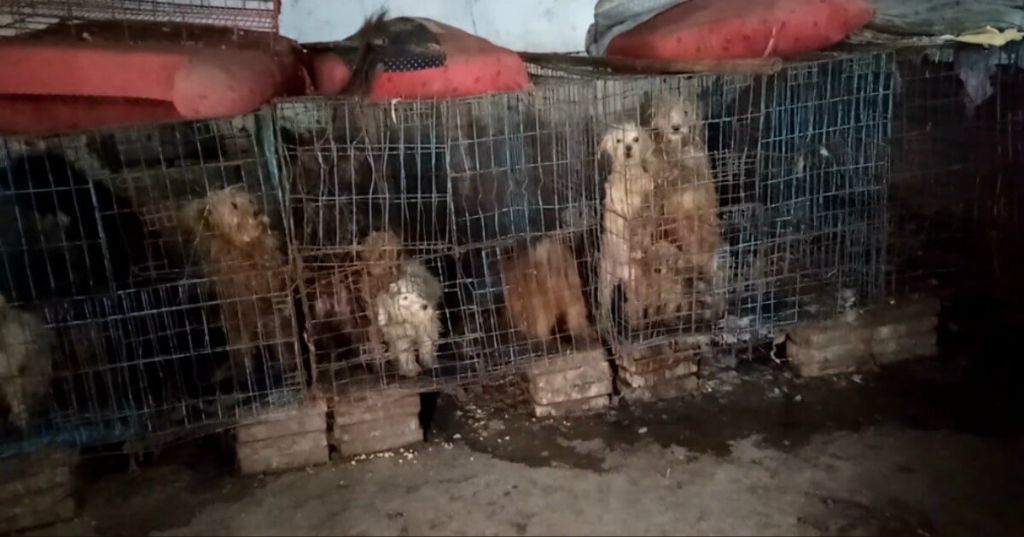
{"x": 628, "y": 190}
{"x": 407, "y": 315}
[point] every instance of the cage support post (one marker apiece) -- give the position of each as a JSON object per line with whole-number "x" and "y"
{"x": 290, "y": 439}
{"x": 664, "y": 370}
{"x": 377, "y": 421}
{"x": 902, "y": 330}
{"x": 37, "y": 490}
{"x": 577, "y": 382}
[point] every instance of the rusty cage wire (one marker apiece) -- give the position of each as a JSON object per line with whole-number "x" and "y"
{"x": 734, "y": 205}
{"x": 956, "y": 193}
{"x": 146, "y": 285}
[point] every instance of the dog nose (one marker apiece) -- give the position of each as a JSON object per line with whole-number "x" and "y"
{"x": 629, "y": 150}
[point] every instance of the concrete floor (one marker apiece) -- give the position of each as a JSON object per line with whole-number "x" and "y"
{"x": 930, "y": 448}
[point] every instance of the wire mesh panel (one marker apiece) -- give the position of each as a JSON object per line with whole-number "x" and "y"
{"x": 370, "y": 208}
{"x": 957, "y": 168}
{"x": 440, "y": 206}
{"x": 526, "y": 215}
{"x": 736, "y": 204}
{"x": 20, "y": 16}
{"x": 152, "y": 261}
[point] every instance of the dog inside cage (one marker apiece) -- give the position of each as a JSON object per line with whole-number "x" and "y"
{"x": 158, "y": 277}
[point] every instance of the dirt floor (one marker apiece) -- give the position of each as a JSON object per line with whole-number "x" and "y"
{"x": 930, "y": 448}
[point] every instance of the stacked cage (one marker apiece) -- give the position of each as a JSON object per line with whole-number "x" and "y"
{"x": 734, "y": 205}
{"x": 956, "y": 180}
{"x": 146, "y": 286}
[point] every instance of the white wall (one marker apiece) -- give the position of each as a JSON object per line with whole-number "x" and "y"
{"x": 525, "y": 25}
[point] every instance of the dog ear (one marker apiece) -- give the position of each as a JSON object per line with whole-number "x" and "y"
{"x": 607, "y": 145}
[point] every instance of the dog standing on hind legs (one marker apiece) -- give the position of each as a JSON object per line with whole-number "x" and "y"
{"x": 687, "y": 196}
{"x": 628, "y": 195}
{"x": 244, "y": 258}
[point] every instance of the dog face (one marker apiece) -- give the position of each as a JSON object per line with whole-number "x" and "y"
{"x": 626, "y": 143}
{"x": 382, "y": 252}
{"x": 233, "y": 213}
{"x": 678, "y": 121}
{"x": 406, "y": 306}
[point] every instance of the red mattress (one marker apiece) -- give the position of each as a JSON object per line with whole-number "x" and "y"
{"x": 423, "y": 59}
{"x": 102, "y": 81}
{"x": 730, "y": 29}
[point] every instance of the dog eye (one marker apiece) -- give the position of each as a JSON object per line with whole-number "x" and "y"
{"x": 636, "y": 139}
{"x": 618, "y": 140}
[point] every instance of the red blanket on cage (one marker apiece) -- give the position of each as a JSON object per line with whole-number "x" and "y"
{"x": 53, "y": 82}
{"x": 421, "y": 59}
{"x": 729, "y": 29}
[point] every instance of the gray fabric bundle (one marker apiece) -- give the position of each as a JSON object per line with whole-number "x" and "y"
{"x": 939, "y": 17}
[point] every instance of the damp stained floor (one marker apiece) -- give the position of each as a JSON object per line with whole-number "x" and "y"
{"x": 927, "y": 448}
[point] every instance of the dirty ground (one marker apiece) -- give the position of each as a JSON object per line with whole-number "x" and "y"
{"x": 929, "y": 448}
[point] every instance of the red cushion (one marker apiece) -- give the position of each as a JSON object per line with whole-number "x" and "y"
{"x": 471, "y": 66}
{"x": 45, "y": 115}
{"x": 198, "y": 82}
{"x": 727, "y": 29}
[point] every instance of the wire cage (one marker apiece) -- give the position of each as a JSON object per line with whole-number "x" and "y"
{"x": 369, "y": 207}
{"x": 733, "y": 205}
{"x": 133, "y": 19}
{"x": 151, "y": 263}
{"x": 526, "y": 213}
{"x": 468, "y": 189}
{"x": 958, "y": 158}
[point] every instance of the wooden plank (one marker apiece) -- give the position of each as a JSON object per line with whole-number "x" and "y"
{"x": 927, "y": 325}
{"x": 44, "y": 478}
{"x": 374, "y": 444}
{"x": 392, "y": 426}
{"x": 643, "y": 365}
{"x": 666, "y": 389}
{"x": 41, "y": 509}
{"x": 26, "y": 466}
{"x": 835, "y": 331}
{"x": 371, "y": 393}
{"x": 829, "y": 333}
{"x": 567, "y": 362}
{"x": 572, "y": 408}
{"x": 899, "y": 351}
{"x": 351, "y": 413}
{"x": 306, "y": 419}
{"x": 283, "y": 453}
{"x": 683, "y": 344}
{"x": 578, "y": 383}
{"x": 638, "y": 380}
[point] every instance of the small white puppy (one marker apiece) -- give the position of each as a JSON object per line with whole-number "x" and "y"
{"x": 408, "y": 319}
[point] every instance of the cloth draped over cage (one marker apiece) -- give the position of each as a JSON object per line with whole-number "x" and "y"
{"x": 407, "y": 58}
